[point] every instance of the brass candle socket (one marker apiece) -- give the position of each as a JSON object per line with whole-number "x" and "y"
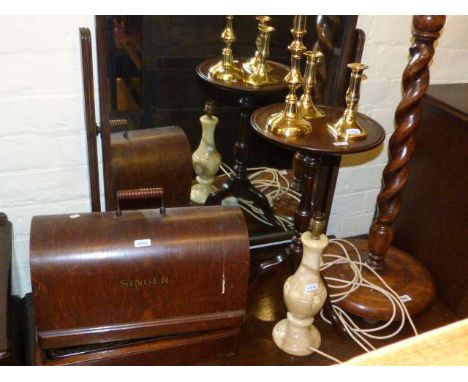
{"x": 226, "y": 70}
{"x": 289, "y": 122}
{"x": 260, "y": 76}
{"x": 250, "y": 65}
{"x": 347, "y": 127}
{"x": 306, "y": 103}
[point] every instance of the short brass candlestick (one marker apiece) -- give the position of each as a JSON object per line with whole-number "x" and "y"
{"x": 226, "y": 70}
{"x": 347, "y": 128}
{"x": 289, "y": 122}
{"x": 250, "y": 65}
{"x": 306, "y": 103}
{"x": 260, "y": 76}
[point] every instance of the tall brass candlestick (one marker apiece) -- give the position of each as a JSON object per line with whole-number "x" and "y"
{"x": 289, "y": 122}
{"x": 251, "y": 64}
{"x": 226, "y": 70}
{"x": 260, "y": 76}
{"x": 306, "y": 104}
{"x": 347, "y": 127}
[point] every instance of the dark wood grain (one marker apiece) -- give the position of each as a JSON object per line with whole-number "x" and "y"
{"x": 327, "y": 27}
{"x": 449, "y": 98}
{"x": 406, "y": 275}
{"x": 320, "y": 141}
{"x": 92, "y": 284}
{"x": 403, "y": 274}
{"x": 303, "y": 214}
{"x": 104, "y": 107}
{"x": 239, "y": 184}
{"x": 255, "y": 344}
{"x": 401, "y": 145}
{"x": 256, "y": 347}
{"x": 279, "y": 71}
{"x": 351, "y": 51}
{"x": 180, "y": 350}
{"x": 158, "y": 157}
{"x": 90, "y": 117}
{"x": 432, "y": 224}
{"x": 6, "y": 239}
{"x": 266, "y": 307}
{"x": 172, "y": 47}
{"x": 298, "y": 171}
{"x": 16, "y": 334}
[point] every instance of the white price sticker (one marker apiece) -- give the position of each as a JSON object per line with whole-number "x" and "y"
{"x": 405, "y": 298}
{"x": 353, "y": 131}
{"x": 311, "y": 287}
{"x": 340, "y": 143}
{"x": 142, "y": 243}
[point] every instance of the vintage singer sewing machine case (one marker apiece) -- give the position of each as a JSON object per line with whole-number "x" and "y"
{"x": 101, "y": 277}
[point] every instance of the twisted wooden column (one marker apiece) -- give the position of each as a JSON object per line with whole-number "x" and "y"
{"x": 401, "y": 145}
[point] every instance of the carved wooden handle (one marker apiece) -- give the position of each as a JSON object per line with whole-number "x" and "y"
{"x": 141, "y": 193}
{"x": 401, "y": 145}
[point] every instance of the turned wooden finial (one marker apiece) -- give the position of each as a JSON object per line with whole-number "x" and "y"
{"x": 401, "y": 145}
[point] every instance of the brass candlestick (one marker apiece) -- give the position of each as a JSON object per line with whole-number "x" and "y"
{"x": 306, "y": 103}
{"x": 347, "y": 128}
{"x": 260, "y": 76}
{"x": 251, "y": 64}
{"x": 226, "y": 69}
{"x": 289, "y": 122}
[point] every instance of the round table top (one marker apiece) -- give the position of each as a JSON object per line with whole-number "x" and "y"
{"x": 320, "y": 140}
{"x": 279, "y": 71}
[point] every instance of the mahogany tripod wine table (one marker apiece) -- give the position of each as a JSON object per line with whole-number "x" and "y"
{"x": 314, "y": 147}
{"x": 239, "y": 184}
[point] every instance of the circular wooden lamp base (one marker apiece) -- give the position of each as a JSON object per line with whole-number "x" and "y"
{"x": 403, "y": 273}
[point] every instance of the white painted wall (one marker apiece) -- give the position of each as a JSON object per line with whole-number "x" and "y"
{"x": 386, "y": 52}
{"x": 43, "y": 165}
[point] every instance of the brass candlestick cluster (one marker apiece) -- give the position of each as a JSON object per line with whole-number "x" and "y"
{"x": 294, "y": 119}
{"x": 227, "y": 70}
{"x": 256, "y": 71}
{"x": 298, "y": 114}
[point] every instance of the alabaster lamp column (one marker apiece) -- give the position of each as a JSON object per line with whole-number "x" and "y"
{"x": 206, "y": 159}
{"x": 304, "y": 296}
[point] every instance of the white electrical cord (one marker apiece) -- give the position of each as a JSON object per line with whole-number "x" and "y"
{"x": 274, "y": 187}
{"x": 278, "y": 185}
{"x": 326, "y": 355}
{"x": 360, "y": 335}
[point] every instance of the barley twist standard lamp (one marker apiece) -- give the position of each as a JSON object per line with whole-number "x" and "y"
{"x": 401, "y": 272}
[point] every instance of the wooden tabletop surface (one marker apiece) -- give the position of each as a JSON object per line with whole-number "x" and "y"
{"x": 320, "y": 140}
